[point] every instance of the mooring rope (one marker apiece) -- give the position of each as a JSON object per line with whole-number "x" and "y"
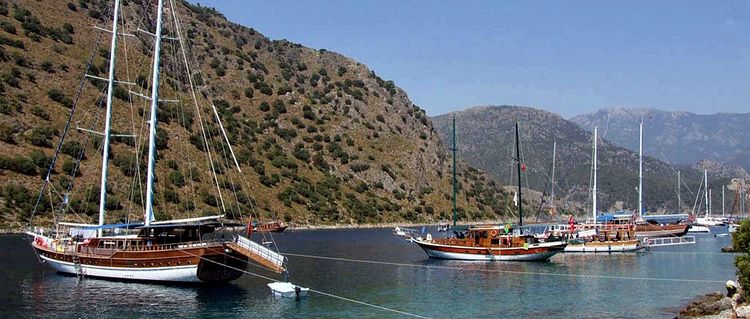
{"x": 313, "y": 290}
{"x": 516, "y": 272}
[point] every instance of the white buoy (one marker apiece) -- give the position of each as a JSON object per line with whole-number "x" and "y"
{"x": 287, "y": 289}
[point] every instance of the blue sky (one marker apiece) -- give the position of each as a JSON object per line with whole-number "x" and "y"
{"x": 569, "y": 57}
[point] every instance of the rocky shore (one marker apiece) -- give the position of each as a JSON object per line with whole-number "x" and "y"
{"x": 717, "y": 306}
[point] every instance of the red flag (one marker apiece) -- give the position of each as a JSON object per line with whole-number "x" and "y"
{"x": 523, "y": 167}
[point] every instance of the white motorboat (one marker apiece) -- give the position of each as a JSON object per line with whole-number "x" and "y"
{"x": 698, "y": 229}
{"x": 733, "y": 227}
{"x": 287, "y": 290}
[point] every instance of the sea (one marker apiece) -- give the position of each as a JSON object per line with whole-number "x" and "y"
{"x": 370, "y": 273}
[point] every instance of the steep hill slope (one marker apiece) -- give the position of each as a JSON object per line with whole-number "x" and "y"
{"x": 680, "y": 137}
{"x": 486, "y": 137}
{"x": 320, "y": 137}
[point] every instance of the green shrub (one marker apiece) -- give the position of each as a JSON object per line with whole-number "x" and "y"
{"x": 171, "y": 196}
{"x": 264, "y": 106}
{"x": 359, "y": 167}
{"x": 59, "y": 97}
{"x": 177, "y": 179}
{"x": 301, "y": 153}
{"x": 40, "y": 112}
{"x": 195, "y": 175}
{"x": 18, "y": 164}
{"x": 286, "y": 134}
{"x": 40, "y": 159}
{"x": 6, "y": 134}
{"x": 41, "y": 136}
{"x": 279, "y": 106}
{"x": 269, "y": 181}
{"x": 7, "y": 27}
{"x": 73, "y": 149}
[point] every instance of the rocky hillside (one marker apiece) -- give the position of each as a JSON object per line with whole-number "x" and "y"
{"x": 679, "y": 137}
{"x": 321, "y": 138}
{"x": 486, "y": 140}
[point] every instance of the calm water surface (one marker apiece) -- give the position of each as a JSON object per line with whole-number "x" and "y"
{"x": 452, "y": 289}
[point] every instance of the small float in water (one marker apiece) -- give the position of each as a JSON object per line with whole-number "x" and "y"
{"x": 287, "y": 290}
{"x": 406, "y": 233}
{"x": 698, "y": 229}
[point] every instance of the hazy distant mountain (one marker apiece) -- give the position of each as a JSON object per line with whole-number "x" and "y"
{"x": 677, "y": 137}
{"x": 486, "y": 136}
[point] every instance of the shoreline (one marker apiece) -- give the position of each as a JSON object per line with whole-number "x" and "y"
{"x": 384, "y": 225}
{"x": 328, "y": 226}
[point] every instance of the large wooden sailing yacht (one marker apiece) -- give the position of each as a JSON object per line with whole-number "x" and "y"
{"x": 200, "y": 249}
{"x": 606, "y": 236}
{"x": 491, "y": 242}
{"x": 643, "y": 227}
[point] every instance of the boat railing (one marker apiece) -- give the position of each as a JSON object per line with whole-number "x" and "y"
{"x": 260, "y": 250}
{"x": 668, "y": 241}
{"x": 106, "y": 251}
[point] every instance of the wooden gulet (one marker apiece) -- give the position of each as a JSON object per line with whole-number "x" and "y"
{"x": 642, "y": 227}
{"x": 203, "y": 249}
{"x": 492, "y": 242}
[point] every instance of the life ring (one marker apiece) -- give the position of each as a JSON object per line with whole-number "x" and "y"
{"x": 493, "y": 232}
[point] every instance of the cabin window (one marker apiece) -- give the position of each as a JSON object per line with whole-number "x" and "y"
{"x": 495, "y": 241}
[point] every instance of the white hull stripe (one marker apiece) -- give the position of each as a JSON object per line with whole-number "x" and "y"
{"x": 187, "y": 273}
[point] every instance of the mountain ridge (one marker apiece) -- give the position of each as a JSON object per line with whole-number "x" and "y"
{"x": 681, "y": 137}
{"x": 320, "y": 138}
{"x": 486, "y": 128}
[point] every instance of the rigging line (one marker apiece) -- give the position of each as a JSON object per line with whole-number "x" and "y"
{"x": 129, "y": 208}
{"x": 195, "y": 101}
{"x": 504, "y": 271}
{"x": 76, "y": 168}
{"x": 65, "y": 130}
{"x": 312, "y": 290}
{"x": 183, "y": 134}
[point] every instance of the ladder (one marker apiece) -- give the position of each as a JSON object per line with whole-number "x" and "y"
{"x": 668, "y": 241}
{"x": 78, "y": 268}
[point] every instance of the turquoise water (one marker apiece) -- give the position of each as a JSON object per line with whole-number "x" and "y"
{"x": 581, "y": 286}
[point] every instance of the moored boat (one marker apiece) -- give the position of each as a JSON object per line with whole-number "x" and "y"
{"x": 191, "y": 251}
{"x": 200, "y": 249}
{"x": 656, "y": 230}
{"x": 490, "y": 243}
{"x": 698, "y": 229}
{"x": 271, "y": 227}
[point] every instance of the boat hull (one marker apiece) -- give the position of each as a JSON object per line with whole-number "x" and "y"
{"x": 604, "y": 247}
{"x": 188, "y": 265}
{"x": 535, "y": 252}
{"x": 187, "y": 273}
{"x": 652, "y": 231}
{"x": 698, "y": 229}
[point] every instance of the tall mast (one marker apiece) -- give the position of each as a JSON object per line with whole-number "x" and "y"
{"x": 453, "y": 180}
{"x": 518, "y": 168}
{"x": 554, "y": 151}
{"x": 640, "y": 170}
{"x": 710, "y": 198}
{"x": 705, "y": 182}
{"x": 152, "y": 121}
{"x": 679, "y": 194}
{"x": 593, "y": 209}
{"x": 722, "y": 200}
{"x": 108, "y": 116}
